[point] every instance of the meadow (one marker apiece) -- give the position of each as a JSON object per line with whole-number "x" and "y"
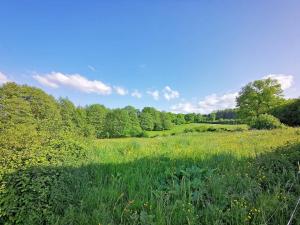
{"x": 197, "y": 127}
{"x": 244, "y": 177}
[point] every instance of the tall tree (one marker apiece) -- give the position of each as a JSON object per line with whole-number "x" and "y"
{"x": 117, "y": 123}
{"x": 146, "y": 121}
{"x": 259, "y": 97}
{"x": 96, "y": 114}
{"x": 134, "y": 126}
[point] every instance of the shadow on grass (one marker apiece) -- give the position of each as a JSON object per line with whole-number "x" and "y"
{"x": 217, "y": 190}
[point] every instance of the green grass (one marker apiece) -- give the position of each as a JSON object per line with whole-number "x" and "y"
{"x": 197, "y": 178}
{"x": 244, "y": 177}
{"x": 196, "y": 127}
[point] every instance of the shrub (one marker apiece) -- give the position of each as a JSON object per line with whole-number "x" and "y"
{"x": 211, "y": 129}
{"x": 265, "y": 121}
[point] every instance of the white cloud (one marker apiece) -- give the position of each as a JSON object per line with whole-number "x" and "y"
{"x": 3, "y": 78}
{"x": 154, "y": 94}
{"x": 286, "y": 81}
{"x": 136, "y": 94}
{"x": 185, "y": 107}
{"x": 169, "y": 93}
{"x": 76, "y": 81}
{"x": 209, "y": 104}
{"x": 120, "y": 90}
{"x": 45, "y": 81}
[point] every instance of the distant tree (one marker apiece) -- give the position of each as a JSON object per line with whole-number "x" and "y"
{"x": 95, "y": 117}
{"x": 226, "y": 114}
{"x": 199, "y": 118}
{"x": 146, "y": 121}
{"x": 212, "y": 116}
{"x": 117, "y": 123}
{"x": 134, "y": 123}
{"x": 84, "y": 128}
{"x": 68, "y": 114}
{"x": 166, "y": 121}
{"x": 190, "y": 117}
{"x": 179, "y": 119}
{"x": 156, "y": 117}
{"x": 259, "y": 97}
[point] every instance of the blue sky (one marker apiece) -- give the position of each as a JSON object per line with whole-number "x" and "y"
{"x": 177, "y": 56}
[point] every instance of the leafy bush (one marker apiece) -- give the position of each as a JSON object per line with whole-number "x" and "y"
{"x": 289, "y": 112}
{"x": 265, "y": 121}
{"x": 29, "y": 178}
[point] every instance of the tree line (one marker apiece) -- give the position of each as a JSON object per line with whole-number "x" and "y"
{"x": 30, "y": 108}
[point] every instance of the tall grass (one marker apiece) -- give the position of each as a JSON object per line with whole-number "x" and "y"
{"x": 209, "y": 178}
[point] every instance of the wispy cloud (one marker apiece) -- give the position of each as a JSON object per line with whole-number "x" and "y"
{"x": 3, "y": 78}
{"x": 154, "y": 94}
{"x": 286, "y": 81}
{"x": 92, "y": 68}
{"x": 169, "y": 93}
{"x": 136, "y": 94}
{"x": 76, "y": 81}
{"x": 120, "y": 90}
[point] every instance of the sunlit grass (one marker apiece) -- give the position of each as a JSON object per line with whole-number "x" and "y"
{"x": 194, "y": 178}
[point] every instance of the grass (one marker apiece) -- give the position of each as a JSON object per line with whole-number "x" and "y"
{"x": 245, "y": 177}
{"x": 197, "y": 127}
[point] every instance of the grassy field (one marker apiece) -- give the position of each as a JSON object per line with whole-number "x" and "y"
{"x": 197, "y": 127}
{"x": 247, "y": 177}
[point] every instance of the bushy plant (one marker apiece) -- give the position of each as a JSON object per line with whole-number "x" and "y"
{"x": 265, "y": 121}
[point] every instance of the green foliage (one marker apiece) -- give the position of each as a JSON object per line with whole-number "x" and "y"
{"x": 68, "y": 114}
{"x": 216, "y": 177}
{"x": 288, "y": 112}
{"x": 259, "y": 97}
{"x": 117, "y": 123}
{"x": 96, "y": 115}
{"x": 146, "y": 121}
{"x": 21, "y": 104}
{"x": 190, "y": 117}
{"x": 166, "y": 121}
{"x": 226, "y": 114}
{"x": 179, "y": 119}
{"x": 265, "y": 121}
{"x": 135, "y": 129}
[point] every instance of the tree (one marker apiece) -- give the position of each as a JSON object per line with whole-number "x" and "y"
{"x": 155, "y": 117}
{"x": 288, "y": 112}
{"x": 134, "y": 124}
{"x": 166, "y": 121}
{"x": 212, "y": 116}
{"x": 226, "y": 114}
{"x": 117, "y": 123}
{"x": 199, "y": 118}
{"x": 96, "y": 114}
{"x": 21, "y": 104}
{"x": 259, "y": 97}
{"x": 179, "y": 119}
{"x": 146, "y": 121}
{"x": 190, "y": 117}
{"x": 68, "y": 114}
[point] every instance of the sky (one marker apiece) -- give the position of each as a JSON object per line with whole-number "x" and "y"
{"x": 179, "y": 56}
